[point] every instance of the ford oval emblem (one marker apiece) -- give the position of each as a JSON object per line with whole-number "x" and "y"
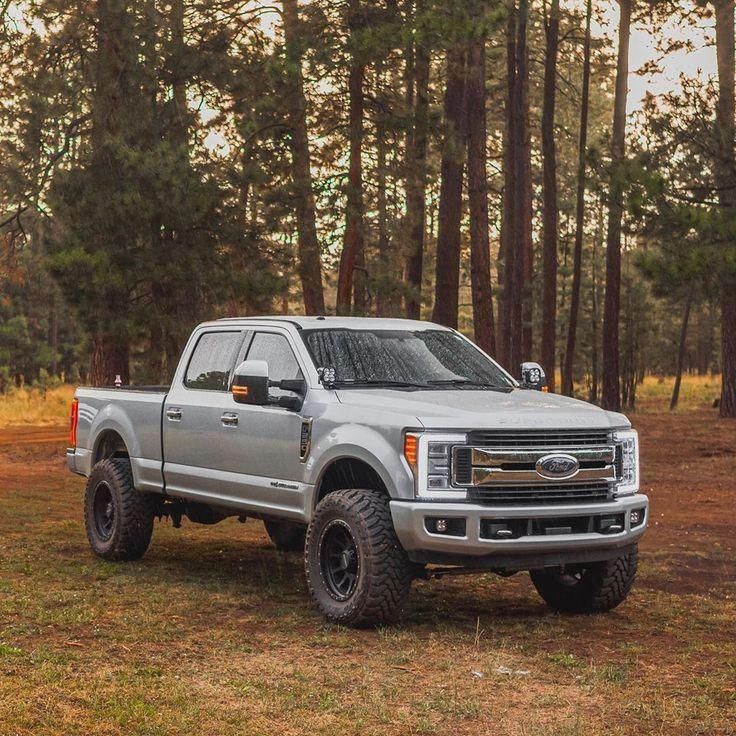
{"x": 557, "y": 466}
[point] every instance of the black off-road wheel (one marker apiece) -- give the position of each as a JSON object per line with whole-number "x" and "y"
{"x": 358, "y": 573}
{"x": 592, "y": 588}
{"x": 286, "y": 535}
{"x": 118, "y": 518}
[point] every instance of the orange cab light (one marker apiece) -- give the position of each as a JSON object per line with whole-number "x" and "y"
{"x": 73, "y": 422}
{"x": 411, "y": 449}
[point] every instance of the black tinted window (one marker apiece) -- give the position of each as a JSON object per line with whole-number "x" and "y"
{"x": 212, "y": 361}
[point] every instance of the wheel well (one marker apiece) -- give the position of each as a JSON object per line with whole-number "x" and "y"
{"x": 109, "y": 444}
{"x": 349, "y": 473}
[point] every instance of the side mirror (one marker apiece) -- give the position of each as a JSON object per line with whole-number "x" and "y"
{"x": 250, "y": 383}
{"x": 533, "y": 377}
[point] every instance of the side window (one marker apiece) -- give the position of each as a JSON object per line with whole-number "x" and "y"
{"x": 277, "y": 352}
{"x": 212, "y": 361}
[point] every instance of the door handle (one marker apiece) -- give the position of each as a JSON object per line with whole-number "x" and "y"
{"x": 173, "y": 415}
{"x": 229, "y": 419}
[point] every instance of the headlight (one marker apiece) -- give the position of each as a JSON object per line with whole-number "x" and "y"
{"x": 430, "y": 458}
{"x": 628, "y": 447}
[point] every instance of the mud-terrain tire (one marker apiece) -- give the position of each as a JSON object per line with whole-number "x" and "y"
{"x": 353, "y": 530}
{"x": 119, "y": 519}
{"x": 593, "y": 588}
{"x": 286, "y": 535}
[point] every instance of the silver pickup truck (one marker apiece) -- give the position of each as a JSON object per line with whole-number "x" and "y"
{"x": 383, "y": 449}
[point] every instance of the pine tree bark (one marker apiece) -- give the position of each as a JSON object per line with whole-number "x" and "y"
{"x": 577, "y": 268}
{"x": 612, "y": 305}
{"x": 110, "y": 359}
{"x": 447, "y": 279}
{"x": 550, "y": 211}
{"x": 310, "y": 270}
{"x": 681, "y": 351}
{"x": 480, "y": 249}
{"x": 110, "y": 354}
{"x": 524, "y": 188}
{"x": 507, "y": 254}
{"x": 725, "y": 165}
{"x": 416, "y": 165}
{"x": 352, "y": 257}
{"x": 179, "y": 88}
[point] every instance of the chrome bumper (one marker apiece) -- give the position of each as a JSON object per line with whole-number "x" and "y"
{"x": 477, "y": 548}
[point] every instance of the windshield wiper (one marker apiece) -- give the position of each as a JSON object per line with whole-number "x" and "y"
{"x": 380, "y": 384}
{"x": 469, "y": 383}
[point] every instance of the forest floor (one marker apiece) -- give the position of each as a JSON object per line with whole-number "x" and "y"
{"x": 213, "y": 633}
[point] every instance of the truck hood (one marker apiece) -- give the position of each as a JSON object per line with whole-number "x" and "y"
{"x": 467, "y": 409}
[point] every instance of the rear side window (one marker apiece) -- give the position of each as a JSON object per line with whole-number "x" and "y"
{"x": 212, "y": 361}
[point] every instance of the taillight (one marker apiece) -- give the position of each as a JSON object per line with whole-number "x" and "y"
{"x": 73, "y": 422}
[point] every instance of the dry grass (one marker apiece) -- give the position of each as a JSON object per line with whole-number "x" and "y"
{"x": 696, "y": 392}
{"x": 32, "y": 406}
{"x": 212, "y": 632}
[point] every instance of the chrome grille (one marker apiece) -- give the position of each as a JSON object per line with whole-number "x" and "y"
{"x": 505, "y": 467}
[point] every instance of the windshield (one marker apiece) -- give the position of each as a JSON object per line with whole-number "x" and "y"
{"x": 403, "y": 358}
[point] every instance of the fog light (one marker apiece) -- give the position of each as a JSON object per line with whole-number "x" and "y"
{"x": 636, "y": 517}
{"x": 441, "y": 525}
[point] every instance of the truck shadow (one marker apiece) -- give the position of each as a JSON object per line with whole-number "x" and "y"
{"x": 269, "y": 584}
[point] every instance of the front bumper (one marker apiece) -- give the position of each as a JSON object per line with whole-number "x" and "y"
{"x": 544, "y": 535}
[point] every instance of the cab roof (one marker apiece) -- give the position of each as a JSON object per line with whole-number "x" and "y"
{"x": 350, "y": 323}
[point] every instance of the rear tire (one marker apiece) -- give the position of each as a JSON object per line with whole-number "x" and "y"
{"x": 119, "y": 519}
{"x": 592, "y": 588}
{"x": 358, "y": 573}
{"x": 286, "y": 535}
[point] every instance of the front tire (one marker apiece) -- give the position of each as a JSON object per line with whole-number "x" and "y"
{"x": 592, "y": 588}
{"x": 358, "y": 573}
{"x": 286, "y": 535}
{"x": 119, "y": 519}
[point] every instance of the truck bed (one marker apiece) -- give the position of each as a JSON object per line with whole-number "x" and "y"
{"x": 133, "y": 413}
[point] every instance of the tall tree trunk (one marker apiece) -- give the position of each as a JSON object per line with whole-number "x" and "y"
{"x": 179, "y": 88}
{"x": 507, "y": 254}
{"x": 550, "y": 214}
{"x": 384, "y": 296}
{"x": 352, "y": 257}
{"x": 110, "y": 359}
{"x": 110, "y": 355}
{"x": 53, "y": 334}
{"x": 524, "y": 187}
{"x": 480, "y": 249}
{"x": 724, "y": 172}
{"x": 681, "y": 351}
{"x": 416, "y": 163}
{"x": 447, "y": 280}
{"x": 577, "y": 268}
{"x": 612, "y": 305}
{"x": 310, "y": 270}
